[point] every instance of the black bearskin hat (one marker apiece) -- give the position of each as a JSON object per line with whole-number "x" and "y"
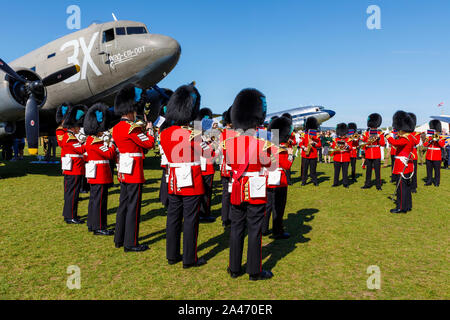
{"x": 311, "y": 124}
{"x": 97, "y": 119}
{"x": 62, "y": 112}
{"x": 249, "y": 109}
{"x": 374, "y": 121}
{"x": 352, "y": 126}
{"x": 414, "y": 118}
{"x": 226, "y": 119}
{"x": 287, "y": 115}
{"x": 184, "y": 105}
{"x": 341, "y": 130}
{"x": 282, "y": 124}
{"x": 204, "y": 113}
{"x": 435, "y": 125}
{"x": 402, "y": 121}
{"x": 128, "y": 100}
{"x": 75, "y": 117}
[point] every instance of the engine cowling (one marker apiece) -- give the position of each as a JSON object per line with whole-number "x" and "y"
{"x": 12, "y": 101}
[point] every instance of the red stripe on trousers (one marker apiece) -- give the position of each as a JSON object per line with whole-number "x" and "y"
{"x": 137, "y": 209}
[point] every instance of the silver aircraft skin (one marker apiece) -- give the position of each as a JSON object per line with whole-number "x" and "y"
{"x": 299, "y": 115}
{"x": 109, "y": 55}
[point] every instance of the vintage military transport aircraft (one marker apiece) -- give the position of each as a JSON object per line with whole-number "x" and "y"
{"x": 87, "y": 66}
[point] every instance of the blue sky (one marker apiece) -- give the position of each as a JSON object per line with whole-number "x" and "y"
{"x": 296, "y": 52}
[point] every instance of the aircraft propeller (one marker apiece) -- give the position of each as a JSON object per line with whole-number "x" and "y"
{"x": 28, "y": 90}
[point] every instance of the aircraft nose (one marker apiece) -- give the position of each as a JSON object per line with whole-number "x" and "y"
{"x": 331, "y": 113}
{"x": 167, "y": 46}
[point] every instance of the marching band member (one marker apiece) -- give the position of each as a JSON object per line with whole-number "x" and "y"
{"x": 373, "y": 140}
{"x": 183, "y": 148}
{"x": 309, "y": 145}
{"x": 403, "y": 166}
{"x": 225, "y": 170}
{"x": 98, "y": 171}
{"x": 341, "y": 154}
{"x": 434, "y": 143}
{"x": 132, "y": 140}
{"x": 393, "y": 153}
{"x": 291, "y": 144}
{"x": 247, "y": 155}
{"x": 277, "y": 184}
{"x": 354, "y": 139}
{"x": 207, "y": 166}
{"x": 416, "y": 135}
{"x": 72, "y": 162}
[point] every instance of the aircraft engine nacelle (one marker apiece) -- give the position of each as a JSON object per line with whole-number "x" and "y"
{"x": 13, "y": 98}
{"x": 7, "y": 128}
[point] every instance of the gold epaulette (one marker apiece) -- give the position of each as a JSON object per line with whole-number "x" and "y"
{"x": 134, "y": 126}
{"x": 194, "y": 133}
{"x": 71, "y": 137}
{"x": 96, "y": 140}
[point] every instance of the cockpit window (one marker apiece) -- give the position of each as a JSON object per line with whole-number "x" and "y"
{"x": 136, "y": 30}
{"x": 120, "y": 31}
{"x": 108, "y": 35}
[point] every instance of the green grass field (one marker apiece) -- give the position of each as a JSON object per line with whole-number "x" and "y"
{"x": 336, "y": 233}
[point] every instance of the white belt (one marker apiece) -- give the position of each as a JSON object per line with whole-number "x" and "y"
{"x": 434, "y": 148}
{"x": 404, "y": 160}
{"x": 99, "y": 162}
{"x": 184, "y": 164}
{"x": 252, "y": 174}
{"x": 372, "y": 146}
{"x": 74, "y": 155}
{"x": 132, "y": 154}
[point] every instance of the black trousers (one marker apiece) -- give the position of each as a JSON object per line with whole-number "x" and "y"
{"x": 436, "y": 167}
{"x": 72, "y": 187}
{"x": 85, "y": 186}
{"x": 309, "y": 164}
{"x": 205, "y": 204}
{"x": 187, "y": 208}
{"x": 353, "y": 164}
{"x": 337, "y": 168}
{"x": 164, "y": 189}
{"x": 276, "y": 203}
{"x": 319, "y": 150}
{"x": 128, "y": 215}
{"x": 404, "y": 197}
{"x": 414, "y": 178}
{"x": 252, "y": 217}
{"x": 98, "y": 207}
{"x": 226, "y": 206}
{"x": 373, "y": 164}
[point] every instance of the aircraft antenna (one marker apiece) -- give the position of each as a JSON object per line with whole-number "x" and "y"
{"x": 114, "y": 16}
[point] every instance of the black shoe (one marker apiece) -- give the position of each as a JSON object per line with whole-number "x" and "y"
{"x": 379, "y": 188}
{"x": 74, "y": 221}
{"x": 436, "y": 185}
{"x": 316, "y": 184}
{"x": 282, "y": 236}
{"x": 345, "y": 186}
{"x": 90, "y": 230}
{"x": 266, "y": 233}
{"x": 232, "y": 274}
{"x": 365, "y": 187}
{"x": 172, "y": 262}
{"x": 398, "y": 211}
{"x": 200, "y": 262}
{"x": 303, "y": 184}
{"x": 119, "y": 245}
{"x": 264, "y": 275}
{"x": 139, "y": 248}
{"x": 207, "y": 219}
{"x": 414, "y": 191}
{"x": 103, "y": 232}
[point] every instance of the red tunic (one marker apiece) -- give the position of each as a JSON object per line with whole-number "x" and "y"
{"x": 73, "y": 149}
{"x": 281, "y": 161}
{"x": 416, "y": 136}
{"x": 131, "y": 140}
{"x": 182, "y": 147}
{"x": 434, "y": 151}
{"x": 353, "y": 147}
{"x": 60, "y": 132}
{"x": 304, "y": 144}
{"x": 373, "y": 150}
{"x": 225, "y": 170}
{"x": 252, "y": 155}
{"x": 99, "y": 154}
{"x": 209, "y": 169}
{"x": 341, "y": 156}
{"x": 405, "y": 146}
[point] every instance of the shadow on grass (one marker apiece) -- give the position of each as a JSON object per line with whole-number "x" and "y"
{"x": 219, "y": 243}
{"x": 295, "y": 225}
{"x": 161, "y": 236}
